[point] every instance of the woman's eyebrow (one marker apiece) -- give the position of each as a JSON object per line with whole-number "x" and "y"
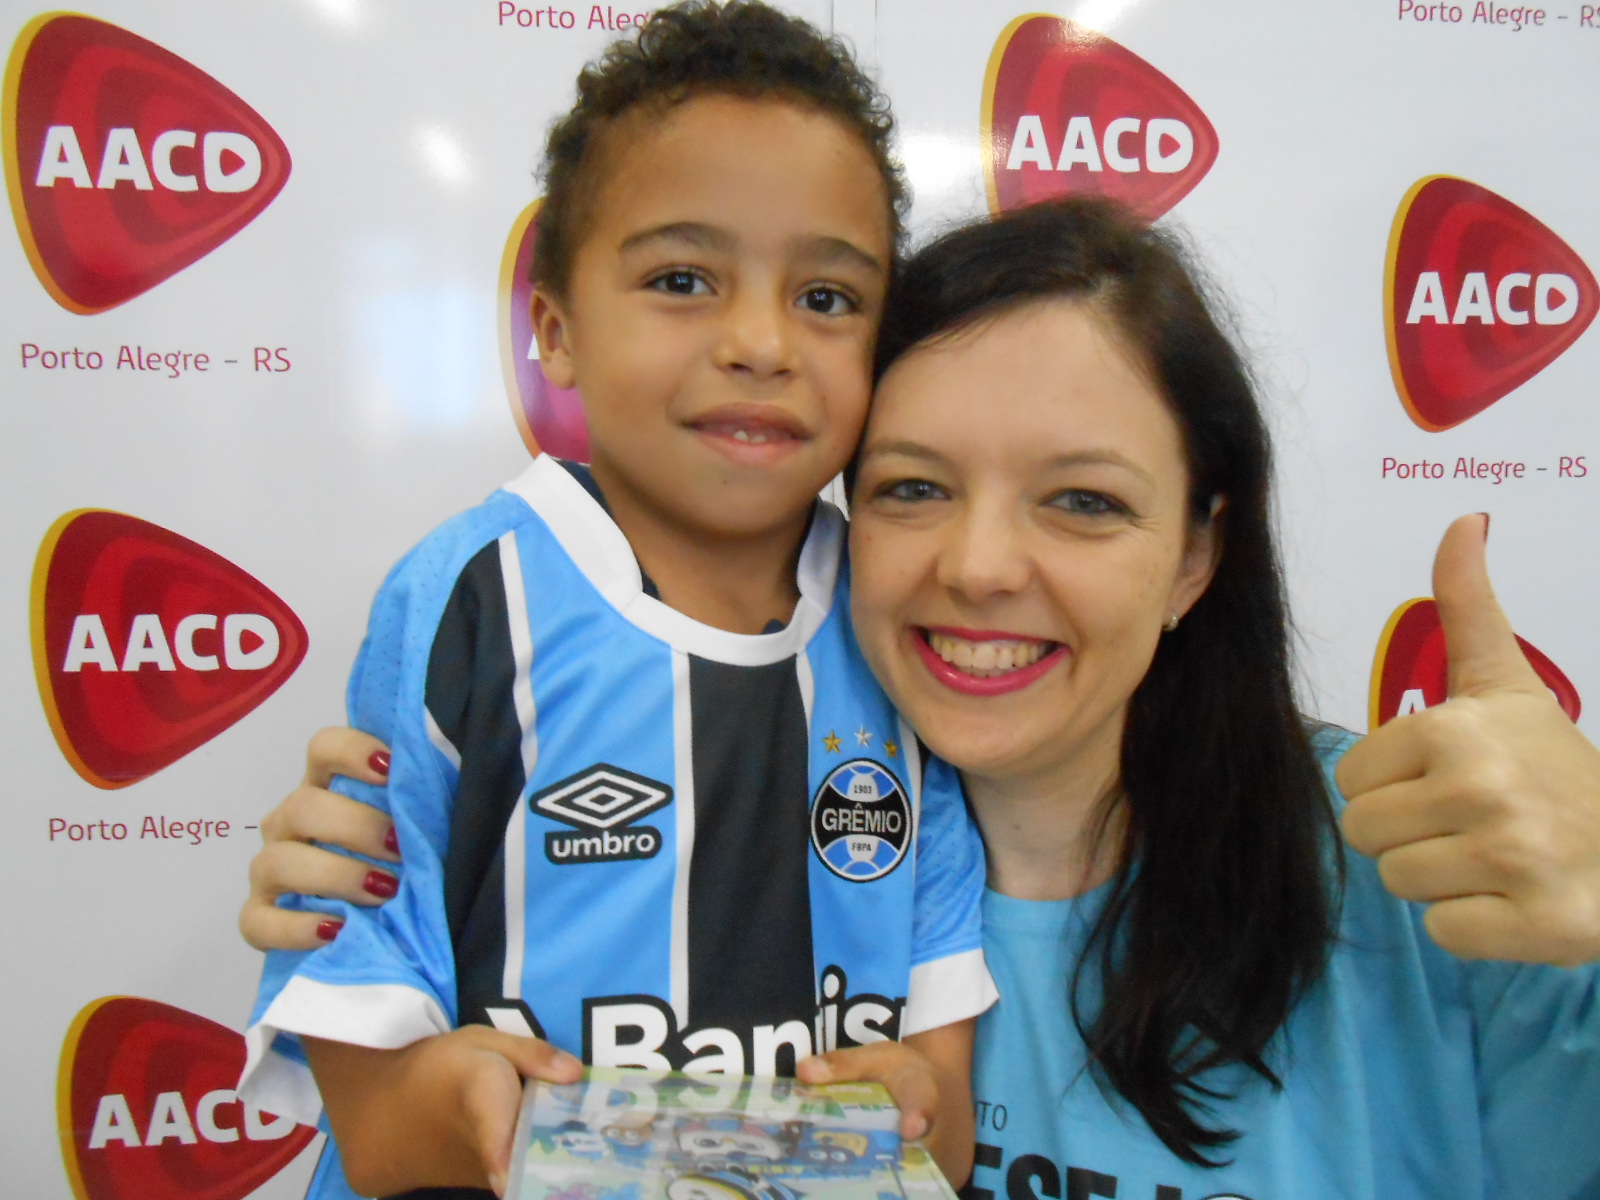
{"x": 905, "y": 448}
{"x": 1077, "y": 458}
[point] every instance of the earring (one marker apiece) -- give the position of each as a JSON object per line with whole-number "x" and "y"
{"x": 1171, "y": 623}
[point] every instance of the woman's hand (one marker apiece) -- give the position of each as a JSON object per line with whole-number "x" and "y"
{"x": 437, "y": 1113}
{"x": 930, "y": 1077}
{"x": 288, "y": 862}
{"x": 1487, "y": 807}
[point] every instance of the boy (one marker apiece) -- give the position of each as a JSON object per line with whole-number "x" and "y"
{"x": 623, "y": 701}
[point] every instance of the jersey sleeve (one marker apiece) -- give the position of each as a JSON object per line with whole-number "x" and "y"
{"x": 389, "y": 978}
{"x": 949, "y": 978}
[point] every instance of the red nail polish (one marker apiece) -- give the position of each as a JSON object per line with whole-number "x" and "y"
{"x": 378, "y": 884}
{"x": 379, "y": 761}
{"x": 328, "y": 930}
{"x": 391, "y": 841}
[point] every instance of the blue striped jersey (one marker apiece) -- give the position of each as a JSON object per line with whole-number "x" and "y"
{"x": 652, "y": 842}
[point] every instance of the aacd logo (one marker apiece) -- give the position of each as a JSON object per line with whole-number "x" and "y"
{"x": 550, "y": 418}
{"x": 1411, "y": 673}
{"x": 147, "y": 645}
{"x": 146, "y": 1107}
{"x": 124, "y": 162}
{"x": 1068, "y": 111}
{"x": 1478, "y": 298}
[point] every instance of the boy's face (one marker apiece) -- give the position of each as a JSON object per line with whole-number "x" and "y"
{"x": 721, "y": 310}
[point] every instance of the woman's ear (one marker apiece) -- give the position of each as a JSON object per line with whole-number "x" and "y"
{"x": 553, "y": 333}
{"x": 1200, "y": 558}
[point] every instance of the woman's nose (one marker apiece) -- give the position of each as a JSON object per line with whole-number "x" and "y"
{"x": 983, "y": 555}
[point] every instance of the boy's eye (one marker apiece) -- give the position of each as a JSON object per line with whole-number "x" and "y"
{"x": 1086, "y": 504}
{"x": 681, "y": 283}
{"x": 911, "y": 491}
{"x": 828, "y": 301}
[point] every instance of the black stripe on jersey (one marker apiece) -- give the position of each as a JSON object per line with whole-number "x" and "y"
{"x": 750, "y": 955}
{"x": 471, "y": 669}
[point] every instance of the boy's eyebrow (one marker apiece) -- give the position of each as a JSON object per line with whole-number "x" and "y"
{"x": 826, "y": 250}
{"x": 693, "y": 233}
{"x": 823, "y": 250}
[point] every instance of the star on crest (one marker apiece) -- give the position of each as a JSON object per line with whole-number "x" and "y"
{"x": 831, "y": 742}
{"x": 892, "y": 748}
{"x": 863, "y": 738}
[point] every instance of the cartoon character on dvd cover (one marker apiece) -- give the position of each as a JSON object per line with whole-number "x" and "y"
{"x": 643, "y": 1135}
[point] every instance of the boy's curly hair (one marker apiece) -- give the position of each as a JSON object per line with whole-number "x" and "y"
{"x": 742, "y": 48}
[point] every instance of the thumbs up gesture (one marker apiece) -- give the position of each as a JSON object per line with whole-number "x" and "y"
{"x": 1485, "y": 808}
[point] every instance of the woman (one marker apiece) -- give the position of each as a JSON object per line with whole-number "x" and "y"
{"x": 1065, "y": 578}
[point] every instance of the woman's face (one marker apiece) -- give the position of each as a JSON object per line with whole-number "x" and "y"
{"x": 1019, "y": 535}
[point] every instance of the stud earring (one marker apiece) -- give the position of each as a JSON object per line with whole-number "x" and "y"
{"x": 1171, "y": 623}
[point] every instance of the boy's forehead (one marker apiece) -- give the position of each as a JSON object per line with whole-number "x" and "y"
{"x": 720, "y": 167}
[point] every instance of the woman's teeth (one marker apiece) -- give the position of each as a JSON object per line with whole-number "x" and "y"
{"x": 988, "y": 658}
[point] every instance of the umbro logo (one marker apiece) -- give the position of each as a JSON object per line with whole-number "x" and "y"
{"x": 599, "y": 801}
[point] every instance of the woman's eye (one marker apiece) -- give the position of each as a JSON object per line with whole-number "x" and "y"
{"x": 912, "y": 490}
{"x": 1086, "y": 504}
{"x": 681, "y": 283}
{"x": 828, "y": 302}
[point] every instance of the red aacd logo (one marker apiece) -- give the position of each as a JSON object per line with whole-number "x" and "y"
{"x": 146, "y": 1107}
{"x": 1478, "y": 298}
{"x": 550, "y": 418}
{"x": 147, "y": 645}
{"x": 1410, "y": 672}
{"x": 124, "y": 162}
{"x": 1068, "y": 111}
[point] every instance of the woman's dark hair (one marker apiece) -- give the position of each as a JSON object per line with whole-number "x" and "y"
{"x": 691, "y": 49}
{"x": 1225, "y": 909}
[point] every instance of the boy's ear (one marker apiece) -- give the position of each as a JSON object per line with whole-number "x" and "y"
{"x": 551, "y": 331}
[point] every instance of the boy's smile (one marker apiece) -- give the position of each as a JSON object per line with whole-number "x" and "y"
{"x": 720, "y": 316}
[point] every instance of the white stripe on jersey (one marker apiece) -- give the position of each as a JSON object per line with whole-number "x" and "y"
{"x": 683, "y": 803}
{"x": 522, "y": 695}
{"x": 441, "y": 743}
{"x": 913, "y": 752}
{"x": 598, "y": 548}
{"x": 947, "y": 990}
{"x": 808, "y": 687}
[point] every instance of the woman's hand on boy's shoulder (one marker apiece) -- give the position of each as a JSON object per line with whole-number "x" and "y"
{"x": 291, "y": 861}
{"x": 1485, "y": 808}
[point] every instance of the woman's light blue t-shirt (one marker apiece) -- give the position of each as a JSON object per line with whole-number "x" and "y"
{"x": 1408, "y": 1074}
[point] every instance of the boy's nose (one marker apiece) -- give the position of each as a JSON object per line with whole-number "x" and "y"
{"x": 756, "y": 336}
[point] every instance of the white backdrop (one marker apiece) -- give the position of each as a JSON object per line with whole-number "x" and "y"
{"x": 413, "y": 129}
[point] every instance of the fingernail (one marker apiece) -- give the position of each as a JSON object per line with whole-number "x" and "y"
{"x": 391, "y": 841}
{"x": 818, "y": 1070}
{"x": 1485, "y": 517}
{"x": 381, "y": 885}
{"x": 915, "y": 1126}
{"x": 328, "y": 930}
{"x": 379, "y": 761}
{"x": 565, "y": 1061}
{"x": 497, "y": 1182}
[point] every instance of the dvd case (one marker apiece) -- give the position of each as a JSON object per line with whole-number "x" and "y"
{"x": 649, "y": 1135}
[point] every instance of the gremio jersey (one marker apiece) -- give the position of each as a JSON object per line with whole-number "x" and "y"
{"x": 651, "y": 842}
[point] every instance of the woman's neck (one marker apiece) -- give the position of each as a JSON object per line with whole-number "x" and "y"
{"x": 1054, "y": 836}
